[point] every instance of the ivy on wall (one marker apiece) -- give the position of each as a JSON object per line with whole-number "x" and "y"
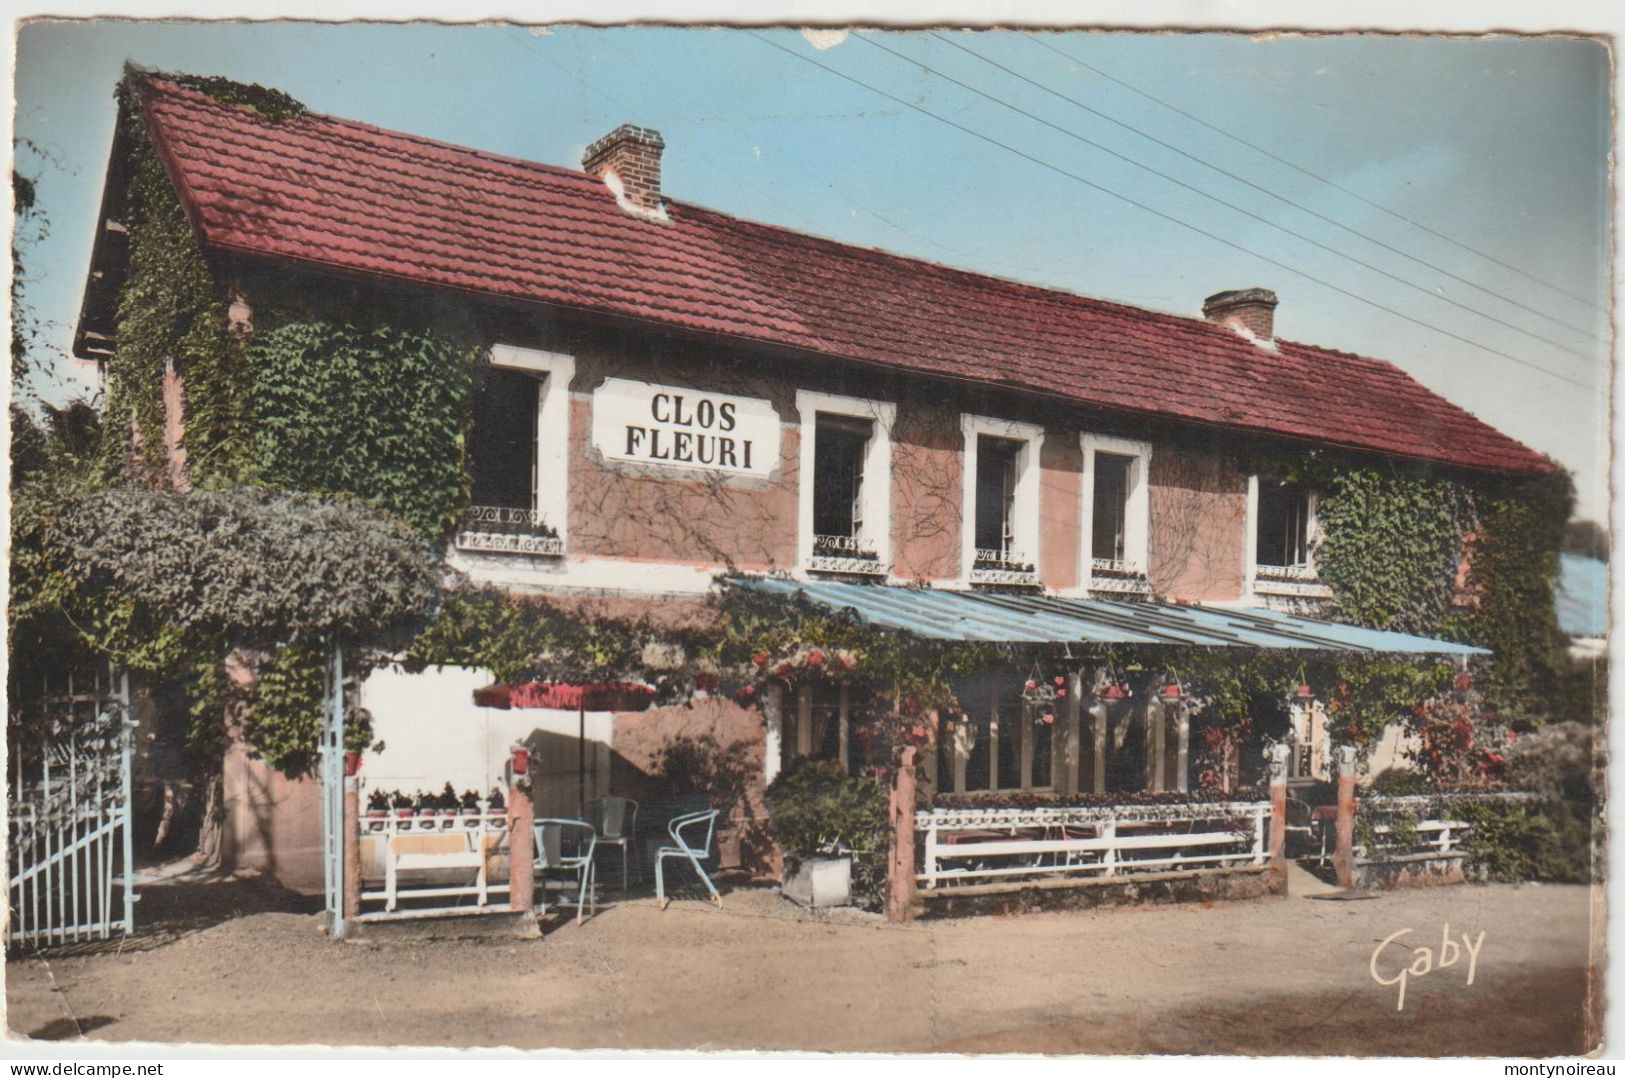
{"x": 171, "y": 310}
{"x": 366, "y": 409}
{"x": 1390, "y": 547}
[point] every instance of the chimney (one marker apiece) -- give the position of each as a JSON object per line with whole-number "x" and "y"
{"x": 1249, "y": 311}
{"x": 628, "y": 161}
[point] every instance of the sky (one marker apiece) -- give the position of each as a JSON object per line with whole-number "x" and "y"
{"x": 1423, "y": 147}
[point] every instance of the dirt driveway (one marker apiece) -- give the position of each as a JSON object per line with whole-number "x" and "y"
{"x": 236, "y": 962}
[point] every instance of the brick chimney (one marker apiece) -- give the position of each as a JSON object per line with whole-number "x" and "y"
{"x": 628, "y": 161}
{"x": 1243, "y": 309}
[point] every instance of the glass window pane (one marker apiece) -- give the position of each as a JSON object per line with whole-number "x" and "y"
{"x": 995, "y": 492}
{"x": 1283, "y": 524}
{"x": 1110, "y": 506}
{"x": 502, "y": 442}
{"x": 838, "y": 475}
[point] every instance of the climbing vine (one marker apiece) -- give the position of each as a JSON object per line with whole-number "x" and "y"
{"x": 1390, "y": 546}
{"x": 366, "y": 409}
{"x": 171, "y": 310}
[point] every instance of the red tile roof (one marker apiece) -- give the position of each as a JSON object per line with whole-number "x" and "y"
{"x": 347, "y": 196}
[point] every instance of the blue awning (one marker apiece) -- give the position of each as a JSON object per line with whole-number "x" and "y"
{"x": 998, "y": 618}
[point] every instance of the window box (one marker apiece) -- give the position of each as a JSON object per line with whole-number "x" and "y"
{"x": 845, "y": 554}
{"x": 510, "y": 531}
{"x": 1113, "y": 578}
{"x": 1002, "y": 567}
{"x": 1297, "y": 581}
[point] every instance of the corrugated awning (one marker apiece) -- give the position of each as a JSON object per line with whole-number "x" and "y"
{"x": 996, "y": 618}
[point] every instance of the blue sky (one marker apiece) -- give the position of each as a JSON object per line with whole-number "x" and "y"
{"x": 1499, "y": 143}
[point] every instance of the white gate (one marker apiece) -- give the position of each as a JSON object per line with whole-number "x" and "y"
{"x": 70, "y": 872}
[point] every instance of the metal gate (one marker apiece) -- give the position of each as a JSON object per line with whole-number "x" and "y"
{"x": 70, "y": 870}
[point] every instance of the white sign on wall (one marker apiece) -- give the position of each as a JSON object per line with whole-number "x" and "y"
{"x": 675, "y": 427}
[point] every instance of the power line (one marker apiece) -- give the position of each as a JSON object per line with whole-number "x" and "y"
{"x": 1167, "y": 216}
{"x": 1260, "y": 218}
{"x": 1313, "y": 175}
{"x": 1512, "y": 301}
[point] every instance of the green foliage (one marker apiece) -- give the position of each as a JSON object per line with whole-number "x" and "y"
{"x": 170, "y": 310}
{"x": 702, "y": 765}
{"x": 1398, "y": 781}
{"x": 270, "y": 103}
{"x": 1512, "y": 573}
{"x": 287, "y": 704}
{"x": 816, "y": 808}
{"x": 258, "y": 567}
{"x": 1390, "y": 545}
{"x": 754, "y": 623}
{"x": 518, "y": 640}
{"x": 364, "y": 409}
{"x": 1514, "y": 842}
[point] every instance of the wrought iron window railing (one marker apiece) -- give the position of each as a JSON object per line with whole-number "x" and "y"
{"x": 1117, "y": 577}
{"x": 513, "y": 531}
{"x": 1003, "y": 567}
{"x": 845, "y": 554}
{"x": 1295, "y": 580}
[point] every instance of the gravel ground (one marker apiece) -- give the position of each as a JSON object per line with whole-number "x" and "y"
{"x": 238, "y": 962}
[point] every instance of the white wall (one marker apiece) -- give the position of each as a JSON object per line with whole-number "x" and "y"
{"x": 433, "y": 733}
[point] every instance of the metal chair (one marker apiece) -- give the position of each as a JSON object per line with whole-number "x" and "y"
{"x": 691, "y": 851}
{"x": 567, "y": 846}
{"x": 616, "y": 821}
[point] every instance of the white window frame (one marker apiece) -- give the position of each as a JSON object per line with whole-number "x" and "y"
{"x": 876, "y": 496}
{"x": 1309, "y": 586}
{"x": 551, "y": 495}
{"x": 1025, "y": 511}
{"x": 1136, "y": 513}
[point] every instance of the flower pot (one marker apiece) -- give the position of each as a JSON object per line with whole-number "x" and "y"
{"x": 818, "y": 882}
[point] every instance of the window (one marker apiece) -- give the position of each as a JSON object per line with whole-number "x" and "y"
{"x": 1110, "y": 539}
{"x": 1280, "y": 564}
{"x": 845, "y": 496}
{"x": 1001, "y": 501}
{"x": 996, "y": 475}
{"x": 1285, "y": 513}
{"x": 502, "y": 443}
{"x": 838, "y": 450}
{"x": 1116, "y": 515}
{"x": 517, "y": 449}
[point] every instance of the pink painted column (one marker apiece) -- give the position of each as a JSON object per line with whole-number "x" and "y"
{"x": 900, "y": 882}
{"x": 521, "y": 836}
{"x": 1343, "y": 859}
{"x": 1278, "y": 768}
{"x": 352, "y": 846}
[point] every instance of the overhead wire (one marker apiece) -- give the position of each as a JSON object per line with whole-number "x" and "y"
{"x": 1272, "y": 155}
{"x": 1171, "y": 218}
{"x": 1260, "y": 218}
{"x": 1300, "y": 207}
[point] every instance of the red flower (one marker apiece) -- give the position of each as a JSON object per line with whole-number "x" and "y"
{"x": 1060, "y": 694}
{"x": 815, "y": 658}
{"x": 1464, "y": 681}
{"x": 786, "y": 668}
{"x": 1060, "y": 680}
{"x": 1032, "y": 686}
{"x": 760, "y": 658}
{"x": 1049, "y": 719}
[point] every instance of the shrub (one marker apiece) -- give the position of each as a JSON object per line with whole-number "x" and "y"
{"x": 816, "y": 808}
{"x": 1399, "y": 781}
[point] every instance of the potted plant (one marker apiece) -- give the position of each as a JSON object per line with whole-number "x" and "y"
{"x": 402, "y": 805}
{"x": 496, "y": 804}
{"x": 832, "y": 829}
{"x": 377, "y": 808}
{"x": 469, "y": 806}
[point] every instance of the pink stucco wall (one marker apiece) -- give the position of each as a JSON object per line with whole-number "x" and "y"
{"x": 1198, "y": 525}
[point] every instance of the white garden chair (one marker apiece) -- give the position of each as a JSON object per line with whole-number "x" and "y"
{"x": 689, "y": 847}
{"x": 567, "y": 846}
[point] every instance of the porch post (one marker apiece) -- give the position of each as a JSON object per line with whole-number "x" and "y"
{"x": 1182, "y": 723}
{"x": 1278, "y": 755}
{"x": 900, "y": 882}
{"x": 773, "y": 739}
{"x": 1343, "y": 859}
{"x": 521, "y": 836}
{"x": 352, "y": 847}
{"x": 1155, "y": 739}
{"x": 804, "y": 723}
{"x": 1100, "y": 718}
{"x": 1073, "y": 754}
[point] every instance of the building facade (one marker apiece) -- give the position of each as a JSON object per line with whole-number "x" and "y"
{"x": 670, "y": 394}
